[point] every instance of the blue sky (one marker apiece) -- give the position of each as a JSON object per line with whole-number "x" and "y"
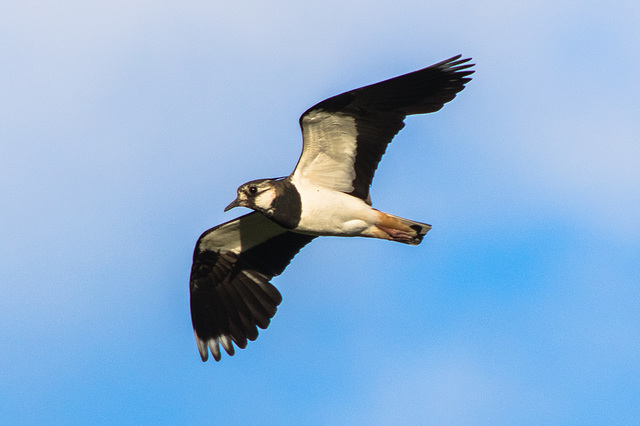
{"x": 127, "y": 127}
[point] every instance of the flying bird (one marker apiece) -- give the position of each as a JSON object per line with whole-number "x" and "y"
{"x": 344, "y": 138}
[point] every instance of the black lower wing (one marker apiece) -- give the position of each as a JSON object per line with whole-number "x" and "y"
{"x": 231, "y": 293}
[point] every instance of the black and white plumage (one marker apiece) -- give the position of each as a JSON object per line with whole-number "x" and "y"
{"x": 344, "y": 138}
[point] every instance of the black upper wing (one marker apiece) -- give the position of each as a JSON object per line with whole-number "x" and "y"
{"x": 346, "y": 135}
{"x": 230, "y": 290}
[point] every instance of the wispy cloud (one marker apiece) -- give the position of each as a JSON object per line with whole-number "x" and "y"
{"x": 127, "y": 126}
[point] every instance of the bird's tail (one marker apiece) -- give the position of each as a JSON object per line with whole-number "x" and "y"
{"x": 402, "y": 230}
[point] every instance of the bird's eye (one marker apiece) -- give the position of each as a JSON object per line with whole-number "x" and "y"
{"x": 253, "y": 189}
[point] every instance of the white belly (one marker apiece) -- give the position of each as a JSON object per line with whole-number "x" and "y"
{"x": 328, "y": 212}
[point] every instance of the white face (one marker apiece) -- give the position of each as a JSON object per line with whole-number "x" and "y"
{"x": 264, "y": 198}
{"x": 257, "y": 195}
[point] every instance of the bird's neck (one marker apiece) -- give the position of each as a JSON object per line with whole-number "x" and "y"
{"x": 286, "y": 208}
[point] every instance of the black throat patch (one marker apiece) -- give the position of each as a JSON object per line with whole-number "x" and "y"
{"x": 287, "y": 206}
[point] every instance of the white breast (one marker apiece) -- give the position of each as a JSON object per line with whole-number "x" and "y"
{"x": 328, "y": 212}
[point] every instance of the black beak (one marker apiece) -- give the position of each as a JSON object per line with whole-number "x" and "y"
{"x": 234, "y": 203}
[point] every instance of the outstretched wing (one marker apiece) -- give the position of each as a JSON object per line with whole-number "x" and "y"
{"x": 230, "y": 290}
{"x": 344, "y": 137}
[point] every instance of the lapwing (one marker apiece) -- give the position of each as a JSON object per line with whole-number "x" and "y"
{"x": 344, "y": 138}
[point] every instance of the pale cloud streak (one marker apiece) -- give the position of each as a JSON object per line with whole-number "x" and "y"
{"x": 127, "y": 127}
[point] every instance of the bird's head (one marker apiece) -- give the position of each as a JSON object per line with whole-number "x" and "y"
{"x": 257, "y": 195}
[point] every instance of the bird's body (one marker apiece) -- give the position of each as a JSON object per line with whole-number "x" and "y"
{"x": 332, "y": 213}
{"x": 326, "y": 195}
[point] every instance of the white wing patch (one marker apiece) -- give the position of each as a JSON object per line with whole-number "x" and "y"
{"x": 241, "y": 234}
{"x": 329, "y": 150}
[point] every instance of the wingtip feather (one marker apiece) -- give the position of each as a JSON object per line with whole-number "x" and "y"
{"x": 214, "y": 347}
{"x": 202, "y": 347}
